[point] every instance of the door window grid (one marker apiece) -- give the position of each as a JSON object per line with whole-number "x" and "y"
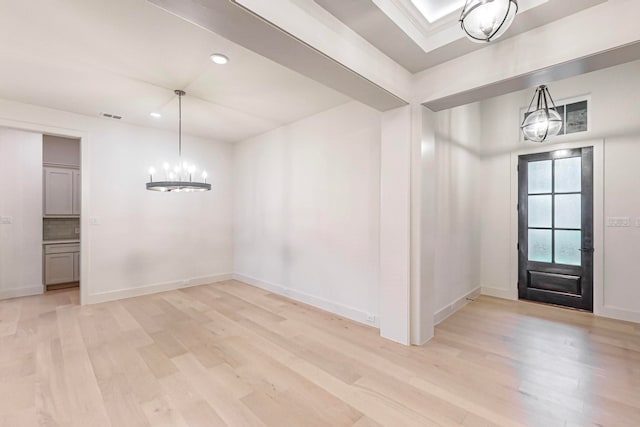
{"x": 537, "y": 233}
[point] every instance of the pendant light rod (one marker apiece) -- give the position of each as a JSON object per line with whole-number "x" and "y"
{"x": 180, "y": 94}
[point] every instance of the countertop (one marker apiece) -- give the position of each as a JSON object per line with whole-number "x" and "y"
{"x": 58, "y": 242}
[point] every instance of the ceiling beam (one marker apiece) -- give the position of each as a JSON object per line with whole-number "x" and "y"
{"x": 259, "y": 30}
{"x": 587, "y": 64}
{"x": 565, "y": 48}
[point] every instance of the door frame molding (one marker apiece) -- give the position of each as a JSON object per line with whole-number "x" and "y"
{"x": 598, "y": 216}
{"x": 85, "y": 205}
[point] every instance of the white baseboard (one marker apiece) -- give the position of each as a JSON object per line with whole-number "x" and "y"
{"x": 499, "y": 293}
{"x": 618, "y": 314}
{"x": 22, "y": 292}
{"x": 319, "y": 302}
{"x": 156, "y": 287}
{"x": 447, "y": 311}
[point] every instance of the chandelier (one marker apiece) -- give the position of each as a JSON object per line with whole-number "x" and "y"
{"x": 486, "y": 20}
{"x": 544, "y": 122}
{"x": 180, "y": 178}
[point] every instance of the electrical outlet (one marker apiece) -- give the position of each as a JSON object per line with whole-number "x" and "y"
{"x": 618, "y": 221}
{"x": 371, "y": 319}
{"x": 94, "y": 220}
{"x": 6, "y": 220}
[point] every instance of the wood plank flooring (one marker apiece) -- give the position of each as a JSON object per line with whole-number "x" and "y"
{"x": 229, "y": 354}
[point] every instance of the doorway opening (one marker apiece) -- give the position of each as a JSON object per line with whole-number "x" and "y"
{"x": 61, "y": 212}
{"x": 555, "y": 228}
{"x": 40, "y": 217}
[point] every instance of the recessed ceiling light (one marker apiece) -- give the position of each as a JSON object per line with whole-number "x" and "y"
{"x": 219, "y": 58}
{"x": 155, "y": 115}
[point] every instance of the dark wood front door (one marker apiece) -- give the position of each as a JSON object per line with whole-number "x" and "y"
{"x": 555, "y": 228}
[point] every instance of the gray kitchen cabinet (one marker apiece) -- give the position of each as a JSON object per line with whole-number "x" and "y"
{"x": 58, "y": 268}
{"x": 61, "y": 191}
{"x": 76, "y": 266}
{"x": 76, "y": 192}
{"x": 61, "y": 263}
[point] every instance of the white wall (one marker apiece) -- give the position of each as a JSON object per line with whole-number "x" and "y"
{"x": 21, "y": 203}
{"x": 621, "y": 245}
{"x": 145, "y": 241}
{"x": 615, "y": 109}
{"x": 457, "y": 223}
{"x": 307, "y": 207}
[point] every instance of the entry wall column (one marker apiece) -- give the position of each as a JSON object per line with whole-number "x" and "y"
{"x": 395, "y": 225}
{"x": 407, "y": 225}
{"x": 424, "y": 220}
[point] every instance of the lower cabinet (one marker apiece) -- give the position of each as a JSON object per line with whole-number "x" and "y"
{"x": 61, "y": 264}
{"x": 76, "y": 267}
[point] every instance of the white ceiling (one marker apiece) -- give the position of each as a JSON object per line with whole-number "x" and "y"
{"x": 434, "y": 10}
{"x": 127, "y": 56}
{"x": 419, "y": 34}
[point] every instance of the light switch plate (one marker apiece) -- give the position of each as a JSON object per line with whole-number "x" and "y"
{"x": 94, "y": 220}
{"x": 6, "y": 220}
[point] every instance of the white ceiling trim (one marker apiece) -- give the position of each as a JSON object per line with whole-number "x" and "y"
{"x": 432, "y": 35}
{"x": 434, "y": 10}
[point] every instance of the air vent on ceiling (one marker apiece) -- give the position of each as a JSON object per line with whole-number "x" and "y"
{"x": 110, "y": 116}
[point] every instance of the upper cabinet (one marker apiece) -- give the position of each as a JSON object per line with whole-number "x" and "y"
{"x": 61, "y": 191}
{"x": 61, "y": 158}
{"x": 76, "y": 192}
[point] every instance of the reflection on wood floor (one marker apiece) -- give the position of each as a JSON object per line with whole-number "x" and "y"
{"x": 231, "y": 354}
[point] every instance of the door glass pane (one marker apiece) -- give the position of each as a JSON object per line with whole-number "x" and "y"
{"x": 540, "y": 245}
{"x": 568, "y": 175}
{"x": 539, "y": 176}
{"x": 540, "y": 211}
{"x": 569, "y": 211}
{"x": 568, "y": 244}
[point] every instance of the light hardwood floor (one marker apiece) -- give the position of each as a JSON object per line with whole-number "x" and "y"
{"x": 230, "y": 354}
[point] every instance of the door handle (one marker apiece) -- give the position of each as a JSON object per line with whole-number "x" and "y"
{"x": 586, "y": 250}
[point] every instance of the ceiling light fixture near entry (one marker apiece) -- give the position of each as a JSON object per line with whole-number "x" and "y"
{"x": 180, "y": 178}
{"x": 219, "y": 58}
{"x": 486, "y": 20}
{"x": 155, "y": 115}
{"x": 544, "y": 122}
